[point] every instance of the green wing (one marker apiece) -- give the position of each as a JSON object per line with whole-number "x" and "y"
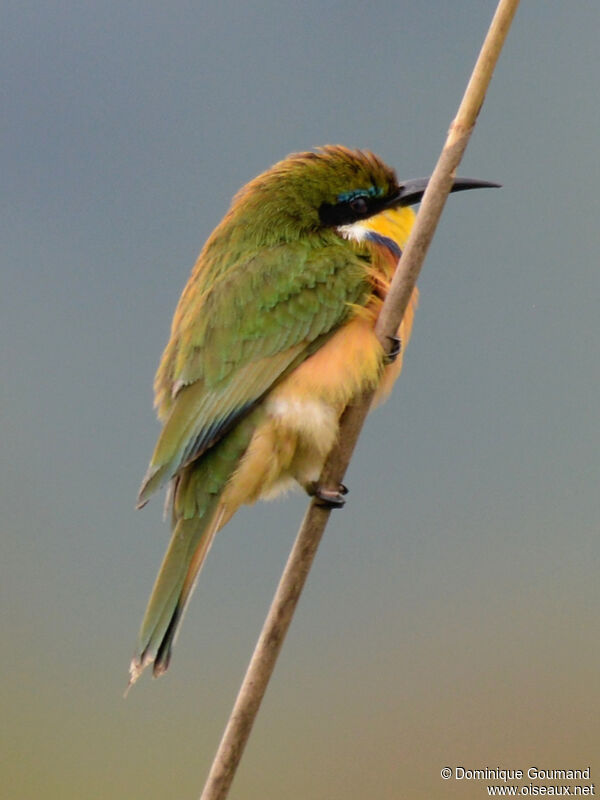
{"x": 232, "y": 342}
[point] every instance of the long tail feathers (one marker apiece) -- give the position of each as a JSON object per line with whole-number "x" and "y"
{"x": 188, "y": 548}
{"x": 199, "y": 510}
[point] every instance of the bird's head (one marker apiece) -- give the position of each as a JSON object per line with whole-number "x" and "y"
{"x": 327, "y": 189}
{"x": 309, "y": 191}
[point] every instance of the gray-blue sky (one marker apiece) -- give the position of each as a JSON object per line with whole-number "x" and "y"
{"x": 452, "y": 612}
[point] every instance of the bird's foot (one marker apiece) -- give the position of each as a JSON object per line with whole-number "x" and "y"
{"x": 329, "y": 498}
{"x": 395, "y": 351}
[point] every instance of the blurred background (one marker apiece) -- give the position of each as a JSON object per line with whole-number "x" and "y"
{"x": 451, "y": 617}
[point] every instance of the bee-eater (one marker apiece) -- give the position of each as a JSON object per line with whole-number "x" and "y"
{"x": 272, "y": 337}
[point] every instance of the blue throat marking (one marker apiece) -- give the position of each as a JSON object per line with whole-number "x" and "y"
{"x": 383, "y": 241}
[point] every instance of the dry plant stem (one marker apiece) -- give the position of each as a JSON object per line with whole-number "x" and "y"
{"x": 299, "y": 562}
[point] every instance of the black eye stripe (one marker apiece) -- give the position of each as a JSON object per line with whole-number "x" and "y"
{"x": 347, "y": 211}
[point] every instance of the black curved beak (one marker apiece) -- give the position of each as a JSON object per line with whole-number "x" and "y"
{"x": 411, "y": 192}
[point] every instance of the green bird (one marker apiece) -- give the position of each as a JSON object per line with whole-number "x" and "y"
{"x": 273, "y": 336}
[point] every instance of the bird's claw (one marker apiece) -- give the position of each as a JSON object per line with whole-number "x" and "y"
{"x": 395, "y": 351}
{"x": 330, "y": 498}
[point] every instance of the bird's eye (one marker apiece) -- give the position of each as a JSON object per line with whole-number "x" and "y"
{"x": 359, "y": 205}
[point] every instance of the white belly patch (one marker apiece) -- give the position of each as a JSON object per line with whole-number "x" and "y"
{"x": 310, "y": 418}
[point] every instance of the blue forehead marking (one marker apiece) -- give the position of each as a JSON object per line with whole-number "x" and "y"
{"x": 372, "y": 191}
